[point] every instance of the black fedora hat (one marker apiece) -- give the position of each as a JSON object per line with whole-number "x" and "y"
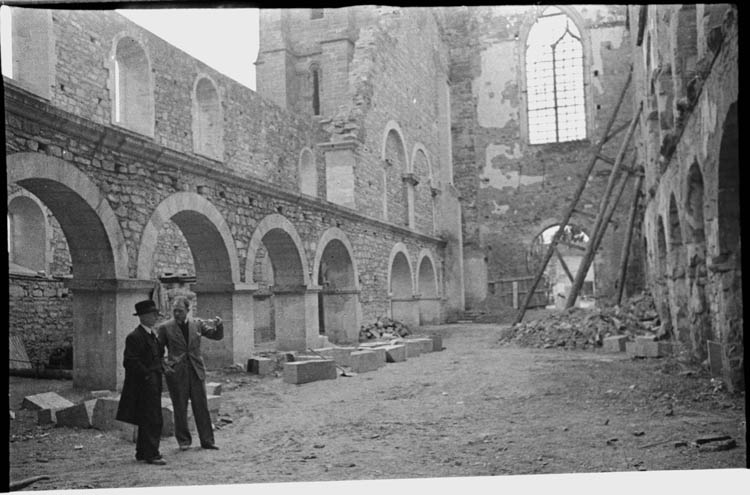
{"x": 144, "y": 307}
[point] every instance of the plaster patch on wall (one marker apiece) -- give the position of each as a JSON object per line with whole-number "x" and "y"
{"x": 599, "y": 37}
{"x": 499, "y": 209}
{"x": 500, "y": 179}
{"x": 498, "y": 71}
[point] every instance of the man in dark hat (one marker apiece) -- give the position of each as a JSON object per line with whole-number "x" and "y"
{"x": 140, "y": 402}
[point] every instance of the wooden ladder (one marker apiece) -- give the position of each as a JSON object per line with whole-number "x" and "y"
{"x": 606, "y": 208}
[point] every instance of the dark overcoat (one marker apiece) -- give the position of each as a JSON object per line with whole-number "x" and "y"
{"x": 140, "y": 401}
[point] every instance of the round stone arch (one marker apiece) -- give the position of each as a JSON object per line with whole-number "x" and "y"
{"x": 145, "y": 124}
{"x": 335, "y": 234}
{"x": 206, "y": 232}
{"x": 95, "y": 239}
{"x": 339, "y": 310}
{"x": 588, "y": 96}
{"x": 404, "y": 307}
{"x": 392, "y": 125}
{"x": 424, "y": 277}
{"x": 417, "y": 148}
{"x": 287, "y": 237}
{"x": 428, "y": 289}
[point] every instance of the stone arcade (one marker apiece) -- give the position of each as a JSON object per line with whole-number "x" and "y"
{"x": 397, "y": 162}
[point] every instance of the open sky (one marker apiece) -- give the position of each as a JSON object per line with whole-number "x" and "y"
{"x": 224, "y": 38}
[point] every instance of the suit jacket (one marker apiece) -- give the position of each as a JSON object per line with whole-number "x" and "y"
{"x": 140, "y": 401}
{"x": 184, "y": 355}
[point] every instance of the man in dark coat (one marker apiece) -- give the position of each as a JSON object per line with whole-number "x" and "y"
{"x": 140, "y": 401}
{"x": 186, "y": 373}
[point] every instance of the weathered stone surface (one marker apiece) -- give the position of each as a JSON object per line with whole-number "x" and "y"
{"x": 379, "y": 350}
{"x": 46, "y": 400}
{"x": 437, "y": 341}
{"x": 260, "y": 366}
{"x": 339, "y": 354}
{"x": 300, "y": 372}
{"x": 365, "y": 360}
{"x": 77, "y": 416}
{"x": 615, "y": 343}
{"x": 105, "y": 410}
{"x": 46, "y": 404}
{"x": 426, "y": 343}
{"x": 413, "y": 347}
{"x": 167, "y": 414}
{"x": 395, "y": 353}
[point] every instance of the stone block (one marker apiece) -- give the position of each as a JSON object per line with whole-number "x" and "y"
{"x": 213, "y": 388}
{"x": 427, "y": 344}
{"x": 364, "y": 361}
{"x": 413, "y": 347}
{"x": 77, "y": 416}
{"x": 300, "y": 372}
{"x": 630, "y": 349}
{"x": 104, "y": 414}
{"x": 379, "y": 350}
{"x": 261, "y": 366}
{"x": 646, "y": 346}
{"x": 46, "y": 400}
{"x": 46, "y": 404}
{"x": 395, "y": 353}
{"x": 616, "y": 343}
{"x": 437, "y": 342}
{"x": 339, "y": 354}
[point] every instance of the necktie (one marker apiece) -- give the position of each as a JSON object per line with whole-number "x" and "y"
{"x": 184, "y": 328}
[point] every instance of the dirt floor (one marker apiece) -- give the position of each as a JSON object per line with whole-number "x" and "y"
{"x": 477, "y": 408}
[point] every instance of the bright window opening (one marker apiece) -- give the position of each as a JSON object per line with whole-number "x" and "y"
{"x": 554, "y": 71}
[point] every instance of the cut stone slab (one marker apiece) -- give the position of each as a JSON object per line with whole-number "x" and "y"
{"x": 395, "y": 353}
{"x": 437, "y": 342}
{"x": 300, "y": 372}
{"x": 46, "y": 404}
{"x": 77, "y": 416}
{"x": 213, "y": 388}
{"x": 666, "y": 348}
{"x": 98, "y": 394}
{"x": 365, "y": 360}
{"x": 630, "y": 349}
{"x": 339, "y": 354}
{"x": 380, "y": 351}
{"x": 413, "y": 348}
{"x": 616, "y": 343}
{"x": 46, "y": 400}
{"x": 427, "y": 344}
{"x": 261, "y": 366}
{"x": 105, "y": 410}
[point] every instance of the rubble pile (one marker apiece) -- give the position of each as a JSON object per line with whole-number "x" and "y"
{"x": 383, "y": 328}
{"x": 578, "y": 328}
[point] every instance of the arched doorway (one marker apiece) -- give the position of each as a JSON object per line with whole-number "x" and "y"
{"x": 339, "y": 313}
{"x": 294, "y": 307}
{"x": 101, "y": 295}
{"x": 404, "y": 307}
{"x": 660, "y": 281}
{"x": 429, "y": 296}
{"x": 216, "y": 267}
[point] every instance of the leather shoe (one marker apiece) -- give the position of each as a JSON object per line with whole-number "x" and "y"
{"x": 210, "y": 447}
{"x": 140, "y": 458}
{"x": 157, "y": 461}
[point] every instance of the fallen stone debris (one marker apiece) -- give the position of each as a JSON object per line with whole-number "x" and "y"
{"x": 587, "y": 328}
{"x": 383, "y": 328}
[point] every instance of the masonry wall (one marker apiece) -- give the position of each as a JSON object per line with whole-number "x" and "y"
{"x": 40, "y": 312}
{"x": 511, "y": 191}
{"x": 260, "y": 139}
{"x": 687, "y": 75}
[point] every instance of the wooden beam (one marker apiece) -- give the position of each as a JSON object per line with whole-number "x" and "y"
{"x": 564, "y": 265}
